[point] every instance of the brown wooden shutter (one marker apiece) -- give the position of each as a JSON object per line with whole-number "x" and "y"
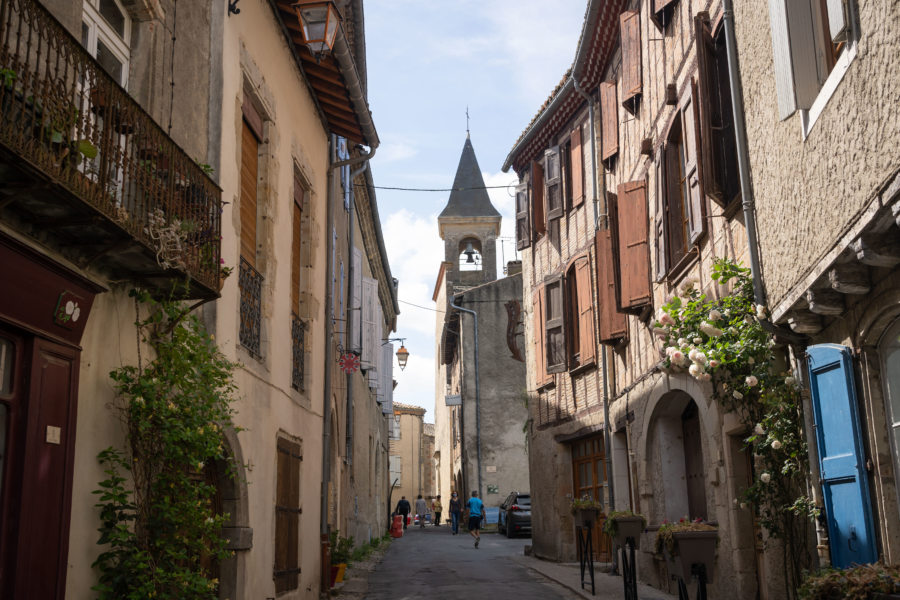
{"x": 249, "y": 173}
{"x": 586, "y": 341}
{"x": 554, "y": 325}
{"x": 695, "y": 203}
{"x": 709, "y": 107}
{"x": 634, "y": 252}
{"x": 630, "y": 24}
{"x": 540, "y": 365}
{"x": 295, "y": 247}
{"x": 553, "y": 183}
{"x": 577, "y": 159}
{"x": 523, "y": 231}
{"x": 287, "y": 516}
{"x": 659, "y": 223}
{"x": 662, "y": 12}
{"x": 538, "y": 223}
{"x": 609, "y": 115}
{"x": 612, "y": 320}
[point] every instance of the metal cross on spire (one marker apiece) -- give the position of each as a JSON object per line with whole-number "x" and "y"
{"x": 467, "y": 120}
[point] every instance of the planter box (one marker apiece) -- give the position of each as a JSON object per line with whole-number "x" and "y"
{"x": 693, "y": 547}
{"x": 629, "y": 527}
{"x": 586, "y": 517}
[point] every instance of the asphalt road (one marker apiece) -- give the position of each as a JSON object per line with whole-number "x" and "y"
{"x": 432, "y": 564}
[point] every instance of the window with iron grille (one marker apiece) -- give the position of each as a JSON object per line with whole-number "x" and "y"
{"x": 298, "y": 345}
{"x": 250, "y": 284}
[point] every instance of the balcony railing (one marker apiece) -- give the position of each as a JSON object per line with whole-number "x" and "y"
{"x": 250, "y": 284}
{"x": 64, "y": 119}
{"x": 298, "y": 345}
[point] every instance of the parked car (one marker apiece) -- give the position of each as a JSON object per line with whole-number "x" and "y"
{"x": 515, "y": 514}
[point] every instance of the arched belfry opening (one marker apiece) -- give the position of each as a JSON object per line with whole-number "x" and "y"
{"x": 470, "y": 257}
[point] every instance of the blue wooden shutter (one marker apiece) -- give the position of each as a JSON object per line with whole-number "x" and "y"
{"x": 845, "y": 486}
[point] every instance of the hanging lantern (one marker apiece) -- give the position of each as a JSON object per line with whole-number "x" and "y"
{"x": 319, "y": 23}
{"x": 402, "y": 356}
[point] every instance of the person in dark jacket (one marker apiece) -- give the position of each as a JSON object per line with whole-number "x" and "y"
{"x": 403, "y": 508}
{"x": 455, "y": 512}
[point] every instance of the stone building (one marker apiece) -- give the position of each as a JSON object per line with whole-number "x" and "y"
{"x": 410, "y": 459}
{"x": 480, "y": 407}
{"x": 820, "y": 89}
{"x": 219, "y": 118}
{"x": 628, "y": 189}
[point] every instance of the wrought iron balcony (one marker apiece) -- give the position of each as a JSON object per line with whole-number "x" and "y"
{"x": 87, "y": 171}
{"x": 250, "y": 284}
{"x": 298, "y": 336}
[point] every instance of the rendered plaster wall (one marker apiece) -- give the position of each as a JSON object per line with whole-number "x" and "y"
{"x": 808, "y": 191}
{"x": 442, "y": 412}
{"x": 501, "y": 410}
{"x": 409, "y": 449}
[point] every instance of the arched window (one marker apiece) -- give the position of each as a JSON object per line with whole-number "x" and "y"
{"x": 470, "y": 258}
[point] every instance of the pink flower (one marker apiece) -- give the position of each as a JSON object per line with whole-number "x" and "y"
{"x": 666, "y": 319}
{"x": 713, "y": 364}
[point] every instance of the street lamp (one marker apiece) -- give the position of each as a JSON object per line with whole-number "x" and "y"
{"x": 318, "y": 24}
{"x": 402, "y": 353}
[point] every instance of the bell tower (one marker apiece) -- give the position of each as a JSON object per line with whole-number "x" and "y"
{"x": 469, "y": 226}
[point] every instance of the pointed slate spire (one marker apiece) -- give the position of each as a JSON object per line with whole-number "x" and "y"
{"x": 469, "y": 198}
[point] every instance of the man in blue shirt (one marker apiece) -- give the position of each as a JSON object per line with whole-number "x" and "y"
{"x": 476, "y": 512}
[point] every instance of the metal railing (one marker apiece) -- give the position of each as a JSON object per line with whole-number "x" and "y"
{"x": 65, "y": 116}
{"x": 250, "y": 284}
{"x": 298, "y": 346}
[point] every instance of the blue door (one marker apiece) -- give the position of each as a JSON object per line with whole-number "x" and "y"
{"x": 845, "y": 485}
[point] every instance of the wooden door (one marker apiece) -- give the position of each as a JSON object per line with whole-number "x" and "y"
{"x": 589, "y": 469}
{"x": 693, "y": 462}
{"x": 13, "y": 396}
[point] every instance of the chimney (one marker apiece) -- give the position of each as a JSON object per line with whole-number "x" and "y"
{"x": 513, "y": 267}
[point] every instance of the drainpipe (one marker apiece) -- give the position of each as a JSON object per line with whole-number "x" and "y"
{"x": 350, "y": 309}
{"x": 477, "y": 396}
{"x": 329, "y": 337}
{"x": 607, "y": 430}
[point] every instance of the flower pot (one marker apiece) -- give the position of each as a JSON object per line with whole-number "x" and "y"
{"x": 629, "y": 527}
{"x": 693, "y": 548}
{"x": 586, "y": 517}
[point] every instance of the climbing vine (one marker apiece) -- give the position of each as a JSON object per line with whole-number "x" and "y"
{"x": 723, "y": 342}
{"x": 159, "y": 529}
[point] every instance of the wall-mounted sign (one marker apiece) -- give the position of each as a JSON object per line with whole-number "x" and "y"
{"x": 454, "y": 400}
{"x": 491, "y": 468}
{"x": 493, "y": 489}
{"x": 68, "y": 310}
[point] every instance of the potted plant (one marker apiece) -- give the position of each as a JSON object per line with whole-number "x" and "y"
{"x": 864, "y": 582}
{"x": 341, "y": 548}
{"x": 586, "y": 511}
{"x": 624, "y": 524}
{"x": 687, "y": 543}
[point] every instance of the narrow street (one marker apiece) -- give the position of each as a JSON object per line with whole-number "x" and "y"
{"x": 432, "y": 563}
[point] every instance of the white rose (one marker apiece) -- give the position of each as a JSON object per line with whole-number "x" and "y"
{"x": 737, "y": 395}
{"x": 682, "y": 342}
{"x": 751, "y": 381}
{"x": 710, "y": 329}
{"x": 765, "y": 478}
{"x": 759, "y": 430}
{"x": 776, "y": 445}
{"x": 698, "y": 340}
{"x": 695, "y": 370}
{"x": 760, "y": 311}
{"x": 714, "y": 315}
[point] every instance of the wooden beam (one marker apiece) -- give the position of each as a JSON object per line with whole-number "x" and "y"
{"x": 805, "y": 322}
{"x": 313, "y": 70}
{"x": 355, "y": 136}
{"x": 338, "y": 120}
{"x": 338, "y": 95}
{"x": 825, "y": 301}
{"x": 878, "y": 250}
{"x": 850, "y": 278}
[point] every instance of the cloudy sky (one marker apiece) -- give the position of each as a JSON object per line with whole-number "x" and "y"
{"x": 427, "y": 61}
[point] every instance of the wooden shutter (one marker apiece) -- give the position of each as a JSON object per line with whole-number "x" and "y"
{"x": 538, "y": 224}
{"x": 710, "y": 108}
{"x": 577, "y": 159}
{"x": 387, "y": 379}
{"x": 662, "y": 12}
{"x": 355, "y": 341}
{"x": 612, "y": 320}
{"x": 540, "y": 364}
{"x": 554, "y": 325}
{"x": 249, "y": 174}
{"x": 369, "y": 297}
{"x": 630, "y": 24}
{"x": 694, "y": 202}
{"x": 609, "y": 115}
{"x": 376, "y": 335}
{"x": 634, "y": 252}
{"x": 659, "y": 222}
{"x": 287, "y": 516}
{"x": 793, "y": 46}
{"x": 523, "y": 231}
{"x": 553, "y": 183}
{"x": 296, "y": 221}
{"x": 586, "y": 336}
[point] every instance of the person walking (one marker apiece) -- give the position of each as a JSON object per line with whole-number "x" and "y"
{"x": 421, "y": 509}
{"x": 436, "y": 509}
{"x": 403, "y": 508}
{"x": 455, "y": 511}
{"x": 476, "y": 512}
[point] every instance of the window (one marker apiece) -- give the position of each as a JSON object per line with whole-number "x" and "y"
{"x": 630, "y": 29}
{"x": 346, "y": 185}
{"x": 814, "y": 42}
{"x": 554, "y": 330}
{"x": 396, "y": 468}
{"x": 287, "y": 516}
{"x": 470, "y": 258}
{"x": 539, "y": 226}
{"x": 106, "y": 35}
{"x": 296, "y": 244}
{"x": 662, "y": 12}
{"x": 523, "y": 231}
{"x": 612, "y": 320}
{"x": 566, "y": 158}
{"x": 370, "y": 344}
{"x": 680, "y": 203}
{"x": 540, "y": 367}
{"x": 553, "y": 183}
{"x": 250, "y": 280}
{"x": 580, "y": 314}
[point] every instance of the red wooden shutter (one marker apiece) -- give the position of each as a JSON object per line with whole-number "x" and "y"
{"x": 586, "y": 336}
{"x": 634, "y": 252}
{"x": 659, "y": 222}
{"x": 630, "y": 24}
{"x": 662, "y": 12}
{"x": 523, "y": 232}
{"x": 612, "y": 320}
{"x": 553, "y": 183}
{"x": 249, "y": 172}
{"x": 540, "y": 365}
{"x": 554, "y": 326}
{"x": 695, "y": 204}
{"x": 295, "y": 247}
{"x": 577, "y": 159}
{"x": 609, "y": 115}
{"x": 538, "y": 223}
{"x": 709, "y": 107}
